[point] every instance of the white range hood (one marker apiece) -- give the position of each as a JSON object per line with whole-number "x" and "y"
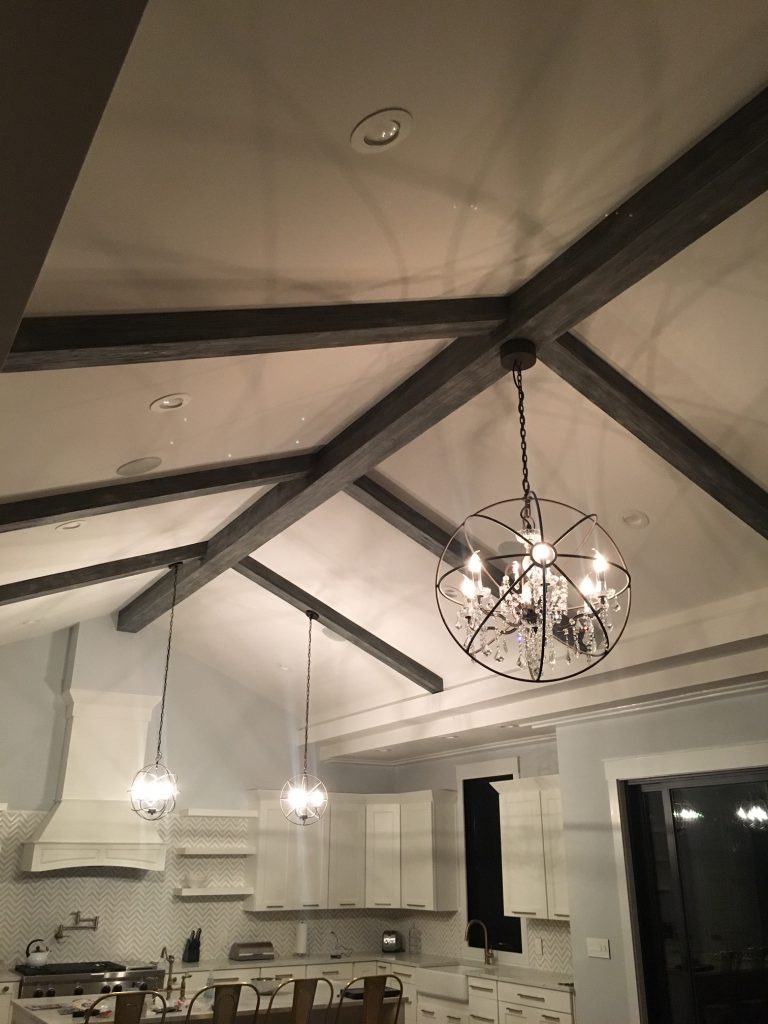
{"x": 91, "y": 823}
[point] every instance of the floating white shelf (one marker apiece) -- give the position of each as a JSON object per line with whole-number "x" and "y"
{"x": 215, "y": 851}
{"x": 239, "y": 891}
{"x": 207, "y": 812}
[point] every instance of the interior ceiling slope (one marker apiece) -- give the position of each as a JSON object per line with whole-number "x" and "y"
{"x": 221, "y": 176}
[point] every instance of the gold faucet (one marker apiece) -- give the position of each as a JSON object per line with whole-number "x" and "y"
{"x": 165, "y": 955}
{"x": 487, "y": 952}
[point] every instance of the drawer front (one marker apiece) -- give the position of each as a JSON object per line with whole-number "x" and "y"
{"x": 5, "y": 1003}
{"x": 540, "y": 998}
{"x": 459, "y": 1015}
{"x": 510, "y": 1013}
{"x": 483, "y": 988}
{"x": 363, "y": 968}
{"x": 406, "y": 974}
{"x": 483, "y": 1012}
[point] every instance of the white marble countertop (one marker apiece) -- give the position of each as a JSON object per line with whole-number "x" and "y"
{"x": 425, "y": 960}
{"x": 520, "y": 975}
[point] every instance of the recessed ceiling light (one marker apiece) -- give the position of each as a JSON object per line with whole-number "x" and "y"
{"x": 508, "y": 725}
{"x": 381, "y": 130}
{"x": 169, "y": 403}
{"x": 139, "y": 466}
{"x": 636, "y": 519}
{"x": 384, "y": 750}
{"x": 73, "y": 524}
{"x": 451, "y": 737}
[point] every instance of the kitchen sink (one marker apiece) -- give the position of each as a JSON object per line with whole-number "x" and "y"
{"x": 447, "y": 982}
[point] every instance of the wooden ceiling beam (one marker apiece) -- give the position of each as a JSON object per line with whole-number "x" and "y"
{"x": 59, "y": 64}
{"x": 340, "y": 624}
{"x": 70, "y": 342}
{"x": 715, "y": 178}
{"x": 72, "y": 579}
{"x": 45, "y": 509}
{"x": 575, "y": 362}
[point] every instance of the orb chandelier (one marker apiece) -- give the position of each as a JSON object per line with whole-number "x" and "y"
{"x": 154, "y": 788}
{"x": 530, "y": 588}
{"x": 753, "y": 813}
{"x": 304, "y": 798}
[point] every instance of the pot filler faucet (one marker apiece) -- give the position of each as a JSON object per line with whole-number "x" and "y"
{"x": 487, "y": 951}
{"x": 165, "y": 955}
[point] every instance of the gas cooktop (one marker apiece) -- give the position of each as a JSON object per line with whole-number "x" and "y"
{"x": 86, "y": 967}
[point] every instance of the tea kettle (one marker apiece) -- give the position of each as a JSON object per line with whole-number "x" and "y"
{"x": 38, "y": 956}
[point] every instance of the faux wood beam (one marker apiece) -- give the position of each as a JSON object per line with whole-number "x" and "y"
{"x": 609, "y": 390}
{"x": 718, "y": 176}
{"x": 340, "y": 624}
{"x": 67, "y": 342}
{"x": 72, "y": 579}
{"x": 58, "y": 64}
{"x": 41, "y": 510}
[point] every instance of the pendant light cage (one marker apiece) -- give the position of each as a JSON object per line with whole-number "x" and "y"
{"x": 752, "y": 813}
{"x": 530, "y": 588}
{"x": 304, "y": 798}
{"x": 155, "y": 787}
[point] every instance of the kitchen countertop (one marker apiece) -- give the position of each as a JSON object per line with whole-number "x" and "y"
{"x": 425, "y": 960}
{"x": 519, "y": 975}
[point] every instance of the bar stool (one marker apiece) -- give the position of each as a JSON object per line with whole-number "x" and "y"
{"x": 128, "y": 1006}
{"x": 225, "y": 1001}
{"x": 304, "y": 990}
{"x": 377, "y": 995}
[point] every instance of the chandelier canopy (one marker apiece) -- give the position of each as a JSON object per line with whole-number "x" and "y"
{"x": 530, "y": 588}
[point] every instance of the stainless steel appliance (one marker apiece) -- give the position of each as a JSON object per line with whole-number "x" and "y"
{"x": 91, "y": 977}
{"x": 251, "y": 951}
{"x": 391, "y": 942}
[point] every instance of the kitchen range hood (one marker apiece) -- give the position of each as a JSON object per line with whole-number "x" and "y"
{"x": 91, "y": 823}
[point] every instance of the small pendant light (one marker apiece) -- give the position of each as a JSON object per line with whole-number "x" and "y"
{"x": 304, "y": 798}
{"x": 154, "y": 788}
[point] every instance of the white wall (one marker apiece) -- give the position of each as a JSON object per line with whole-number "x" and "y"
{"x": 601, "y": 985}
{"x": 440, "y": 772}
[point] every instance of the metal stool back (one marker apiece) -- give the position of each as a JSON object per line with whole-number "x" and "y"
{"x": 225, "y": 1001}
{"x": 378, "y": 1006}
{"x": 128, "y": 1006}
{"x": 304, "y": 990}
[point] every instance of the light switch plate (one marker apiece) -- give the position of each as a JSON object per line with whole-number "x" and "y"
{"x": 600, "y": 948}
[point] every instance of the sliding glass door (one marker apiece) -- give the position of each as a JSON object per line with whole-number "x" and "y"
{"x": 699, "y": 854}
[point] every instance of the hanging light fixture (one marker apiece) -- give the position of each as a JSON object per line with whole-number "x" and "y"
{"x": 304, "y": 798}
{"x": 530, "y": 588}
{"x": 753, "y": 813}
{"x": 154, "y": 788}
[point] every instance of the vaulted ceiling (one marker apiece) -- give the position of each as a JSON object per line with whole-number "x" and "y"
{"x": 220, "y": 176}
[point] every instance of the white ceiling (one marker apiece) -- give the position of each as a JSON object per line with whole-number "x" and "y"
{"x": 221, "y": 175}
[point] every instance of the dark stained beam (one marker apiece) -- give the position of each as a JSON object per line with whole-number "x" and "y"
{"x": 609, "y": 390}
{"x": 72, "y": 579}
{"x": 68, "y": 342}
{"x": 41, "y": 510}
{"x": 671, "y": 211}
{"x": 340, "y": 624}
{"x": 58, "y": 64}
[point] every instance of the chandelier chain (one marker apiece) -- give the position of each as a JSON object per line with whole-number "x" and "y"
{"x": 159, "y": 755}
{"x": 306, "y": 708}
{"x": 525, "y": 512}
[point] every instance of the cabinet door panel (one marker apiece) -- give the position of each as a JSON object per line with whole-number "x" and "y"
{"x": 346, "y": 883}
{"x": 554, "y": 855}
{"x": 276, "y": 861}
{"x": 522, "y": 855}
{"x": 417, "y": 856}
{"x": 310, "y": 884}
{"x": 382, "y": 860}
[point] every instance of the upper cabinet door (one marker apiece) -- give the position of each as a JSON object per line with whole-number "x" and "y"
{"x": 346, "y": 881}
{"x": 417, "y": 856}
{"x": 554, "y": 854}
{"x": 311, "y": 879}
{"x": 382, "y": 845}
{"x": 522, "y": 854}
{"x": 275, "y": 860}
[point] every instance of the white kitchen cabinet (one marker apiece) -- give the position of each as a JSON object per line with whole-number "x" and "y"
{"x": 554, "y": 854}
{"x": 407, "y": 976}
{"x": 428, "y": 854}
{"x": 339, "y": 974}
{"x": 382, "y": 855}
{"x": 310, "y": 874}
{"x": 346, "y": 876}
{"x": 532, "y": 848}
{"x": 7, "y": 991}
{"x": 483, "y": 1001}
{"x": 275, "y": 861}
{"x": 441, "y": 1011}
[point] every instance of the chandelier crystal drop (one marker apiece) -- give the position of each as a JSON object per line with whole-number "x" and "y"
{"x": 530, "y": 588}
{"x": 304, "y": 798}
{"x": 154, "y": 788}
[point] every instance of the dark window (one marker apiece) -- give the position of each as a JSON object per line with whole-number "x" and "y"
{"x": 482, "y": 839}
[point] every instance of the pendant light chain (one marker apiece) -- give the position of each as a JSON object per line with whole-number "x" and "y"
{"x": 525, "y": 512}
{"x": 159, "y": 755}
{"x": 306, "y": 708}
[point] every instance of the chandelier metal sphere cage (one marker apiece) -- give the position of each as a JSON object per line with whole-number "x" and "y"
{"x": 529, "y": 604}
{"x": 153, "y": 791}
{"x": 303, "y": 799}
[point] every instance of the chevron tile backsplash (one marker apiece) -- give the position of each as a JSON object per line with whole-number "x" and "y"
{"x": 138, "y": 913}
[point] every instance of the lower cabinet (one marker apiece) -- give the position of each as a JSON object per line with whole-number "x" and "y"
{"x": 483, "y": 1001}
{"x": 441, "y": 1011}
{"x": 407, "y": 976}
{"x": 533, "y": 1005}
{"x": 5, "y": 1001}
{"x": 337, "y": 973}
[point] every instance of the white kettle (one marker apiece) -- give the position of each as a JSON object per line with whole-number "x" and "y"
{"x": 37, "y": 956}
